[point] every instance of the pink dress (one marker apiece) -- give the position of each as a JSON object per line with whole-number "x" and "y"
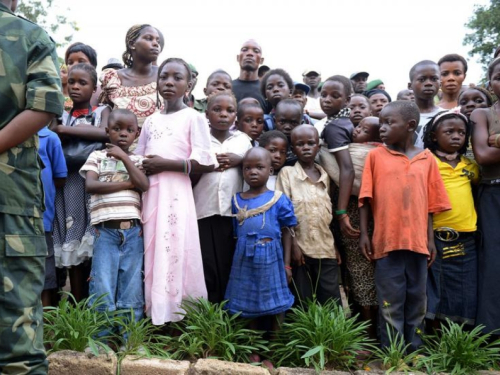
{"x": 173, "y": 269}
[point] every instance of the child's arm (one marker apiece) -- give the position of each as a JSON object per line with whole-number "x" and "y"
{"x": 287, "y": 239}
{"x": 346, "y": 178}
{"x": 138, "y": 179}
{"x": 483, "y": 153}
{"x": 228, "y": 160}
{"x": 156, "y": 164}
{"x": 364, "y": 241}
{"x": 82, "y": 131}
{"x": 22, "y": 127}
{"x": 431, "y": 245}
{"x": 94, "y": 186}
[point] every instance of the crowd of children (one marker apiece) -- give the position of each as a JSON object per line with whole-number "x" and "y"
{"x": 264, "y": 203}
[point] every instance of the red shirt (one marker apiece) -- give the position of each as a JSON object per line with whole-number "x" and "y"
{"x": 402, "y": 192}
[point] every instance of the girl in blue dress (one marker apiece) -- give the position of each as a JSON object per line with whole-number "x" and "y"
{"x": 264, "y": 221}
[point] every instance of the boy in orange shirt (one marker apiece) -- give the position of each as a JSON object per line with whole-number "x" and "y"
{"x": 402, "y": 186}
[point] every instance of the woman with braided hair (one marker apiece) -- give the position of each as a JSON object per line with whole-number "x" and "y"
{"x": 134, "y": 87}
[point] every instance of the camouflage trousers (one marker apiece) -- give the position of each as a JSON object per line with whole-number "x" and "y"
{"x": 22, "y": 268}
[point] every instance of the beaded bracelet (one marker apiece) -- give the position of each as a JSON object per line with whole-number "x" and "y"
{"x": 188, "y": 166}
{"x": 184, "y": 167}
{"x": 340, "y": 212}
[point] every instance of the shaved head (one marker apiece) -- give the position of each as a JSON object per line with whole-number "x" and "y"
{"x": 258, "y": 152}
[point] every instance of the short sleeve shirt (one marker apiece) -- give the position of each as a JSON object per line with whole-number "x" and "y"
{"x": 121, "y": 205}
{"x": 402, "y": 193}
{"x": 338, "y": 134}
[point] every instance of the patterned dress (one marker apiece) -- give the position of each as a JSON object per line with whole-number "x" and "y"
{"x": 257, "y": 284}
{"x": 173, "y": 268}
{"x": 141, "y": 100}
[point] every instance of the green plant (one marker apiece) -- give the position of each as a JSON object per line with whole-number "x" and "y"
{"x": 320, "y": 335}
{"x": 208, "y": 330}
{"x": 457, "y": 351}
{"x": 394, "y": 357}
{"x": 77, "y": 325}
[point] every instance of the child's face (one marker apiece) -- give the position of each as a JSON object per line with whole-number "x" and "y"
{"x": 77, "y": 58}
{"x": 366, "y": 131}
{"x": 305, "y": 143}
{"x": 278, "y": 148}
{"x": 470, "y": 100}
{"x": 495, "y": 80}
{"x": 277, "y": 89}
{"x": 122, "y": 130}
{"x": 377, "y": 102}
{"x": 287, "y": 118}
{"x": 450, "y": 135}
{"x": 332, "y": 98}
{"x": 300, "y": 96}
{"x": 218, "y": 82}
{"x": 222, "y": 113}
{"x": 173, "y": 81}
{"x": 393, "y": 128}
{"x": 452, "y": 76}
{"x": 256, "y": 168}
{"x": 252, "y": 122}
{"x": 425, "y": 82}
{"x": 80, "y": 86}
{"x": 360, "y": 109}
{"x": 147, "y": 45}
{"x": 63, "y": 72}
{"x": 406, "y": 95}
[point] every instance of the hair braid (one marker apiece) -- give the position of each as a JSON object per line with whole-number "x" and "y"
{"x": 132, "y": 34}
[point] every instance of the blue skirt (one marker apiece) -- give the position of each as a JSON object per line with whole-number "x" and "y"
{"x": 452, "y": 280}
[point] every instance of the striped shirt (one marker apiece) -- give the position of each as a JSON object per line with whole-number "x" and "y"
{"x": 122, "y": 205}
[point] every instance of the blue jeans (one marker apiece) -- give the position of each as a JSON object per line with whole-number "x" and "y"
{"x": 400, "y": 279}
{"x": 117, "y": 270}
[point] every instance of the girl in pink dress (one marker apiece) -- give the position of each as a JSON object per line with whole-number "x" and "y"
{"x": 176, "y": 142}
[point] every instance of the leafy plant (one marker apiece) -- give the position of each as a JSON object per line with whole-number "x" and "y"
{"x": 394, "y": 357}
{"x": 320, "y": 335}
{"x": 458, "y": 351}
{"x": 76, "y": 326}
{"x": 208, "y": 330}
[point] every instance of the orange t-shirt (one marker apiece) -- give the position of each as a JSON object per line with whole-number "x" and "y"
{"x": 402, "y": 192}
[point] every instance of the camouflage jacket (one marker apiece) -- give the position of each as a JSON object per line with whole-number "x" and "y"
{"x": 29, "y": 80}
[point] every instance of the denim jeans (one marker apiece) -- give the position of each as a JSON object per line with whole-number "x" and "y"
{"x": 117, "y": 270}
{"x": 400, "y": 279}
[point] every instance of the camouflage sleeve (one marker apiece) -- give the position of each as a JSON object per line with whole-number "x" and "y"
{"x": 43, "y": 87}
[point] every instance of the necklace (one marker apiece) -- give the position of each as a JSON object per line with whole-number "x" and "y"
{"x": 444, "y": 155}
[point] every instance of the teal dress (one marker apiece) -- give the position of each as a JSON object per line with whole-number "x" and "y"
{"x": 257, "y": 284}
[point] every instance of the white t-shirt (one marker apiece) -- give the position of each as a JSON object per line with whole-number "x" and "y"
{"x": 424, "y": 119}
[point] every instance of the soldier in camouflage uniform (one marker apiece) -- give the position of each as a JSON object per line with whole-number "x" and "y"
{"x": 30, "y": 96}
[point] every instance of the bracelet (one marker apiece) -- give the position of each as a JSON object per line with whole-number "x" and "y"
{"x": 340, "y": 212}
{"x": 341, "y": 217}
{"x": 184, "y": 167}
{"x": 188, "y": 166}
{"x": 288, "y": 268}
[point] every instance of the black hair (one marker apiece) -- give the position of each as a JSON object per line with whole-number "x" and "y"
{"x": 419, "y": 64}
{"x": 496, "y": 53}
{"x": 132, "y": 34}
{"x": 279, "y": 72}
{"x": 452, "y": 57}
{"x": 218, "y": 71}
{"x": 407, "y": 109}
{"x": 432, "y": 125}
{"x": 344, "y": 81}
{"x": 218, "y": 94}
{"x": 360, "y": 96}
{"x": 489, "y": 99}
{"x": 372, "y": 92}
{"x": 492, "y": 66}
{"x": 162, "y": 39}
{"x": 267, "y": 137}
{"x": 86, "y": 68}
{"x": 160, "y": 68}
{"x": 121, "y": 111}
{"x": 290, "y": 103}
{"x": 83, "y": 48}
{"x": 401, "y": 93}
{"x": 242, "y": 107}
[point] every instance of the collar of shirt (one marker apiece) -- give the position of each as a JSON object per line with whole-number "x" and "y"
{"x": 421, "y": 155}
{"x": 301, "y": 174}
{"x": 233, "y": 135}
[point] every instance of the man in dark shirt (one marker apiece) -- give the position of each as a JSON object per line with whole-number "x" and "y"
{"x": 248, "y": 84}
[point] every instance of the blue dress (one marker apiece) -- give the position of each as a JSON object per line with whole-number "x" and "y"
{"x": 257, "y": 283}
